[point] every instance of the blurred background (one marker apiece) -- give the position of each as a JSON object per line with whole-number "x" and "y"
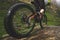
{"x": 52, "y": 13}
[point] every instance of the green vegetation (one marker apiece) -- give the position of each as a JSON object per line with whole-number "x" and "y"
{"x": 4, "y": 6}
{"x": 53, "y": 16}
{"x": 2, "y": 14}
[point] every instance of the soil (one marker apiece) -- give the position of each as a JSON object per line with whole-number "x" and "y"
{"x": 48, "y": 33}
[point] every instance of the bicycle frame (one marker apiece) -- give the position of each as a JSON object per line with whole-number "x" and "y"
{"x": 36, "y": 12}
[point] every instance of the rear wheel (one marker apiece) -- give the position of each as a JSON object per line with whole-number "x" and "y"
{"x": 43, "y": 21}
{"x": 17, "y": 23}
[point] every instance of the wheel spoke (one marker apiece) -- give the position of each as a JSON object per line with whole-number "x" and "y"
{"x": 21, "y": 21}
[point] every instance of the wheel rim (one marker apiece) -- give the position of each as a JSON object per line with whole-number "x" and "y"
{"x": 21, "y": 22}
{"x": 44, "y": 22}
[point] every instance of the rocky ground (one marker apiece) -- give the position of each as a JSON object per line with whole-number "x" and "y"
{"x": 48, "y": 33}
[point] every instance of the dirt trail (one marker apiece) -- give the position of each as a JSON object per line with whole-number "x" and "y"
{"x": 48, "y": 33}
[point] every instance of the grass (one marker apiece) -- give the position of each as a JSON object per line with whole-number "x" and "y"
{"x": 52, "y": 19}
{"x": 4, "y": 6}
{"x": 2, "y": 30}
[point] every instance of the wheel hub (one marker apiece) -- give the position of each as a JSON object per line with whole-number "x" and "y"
{"x": 24, "y": 18}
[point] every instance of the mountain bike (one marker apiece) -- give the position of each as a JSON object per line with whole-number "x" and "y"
{"x": 21, "y": 20}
